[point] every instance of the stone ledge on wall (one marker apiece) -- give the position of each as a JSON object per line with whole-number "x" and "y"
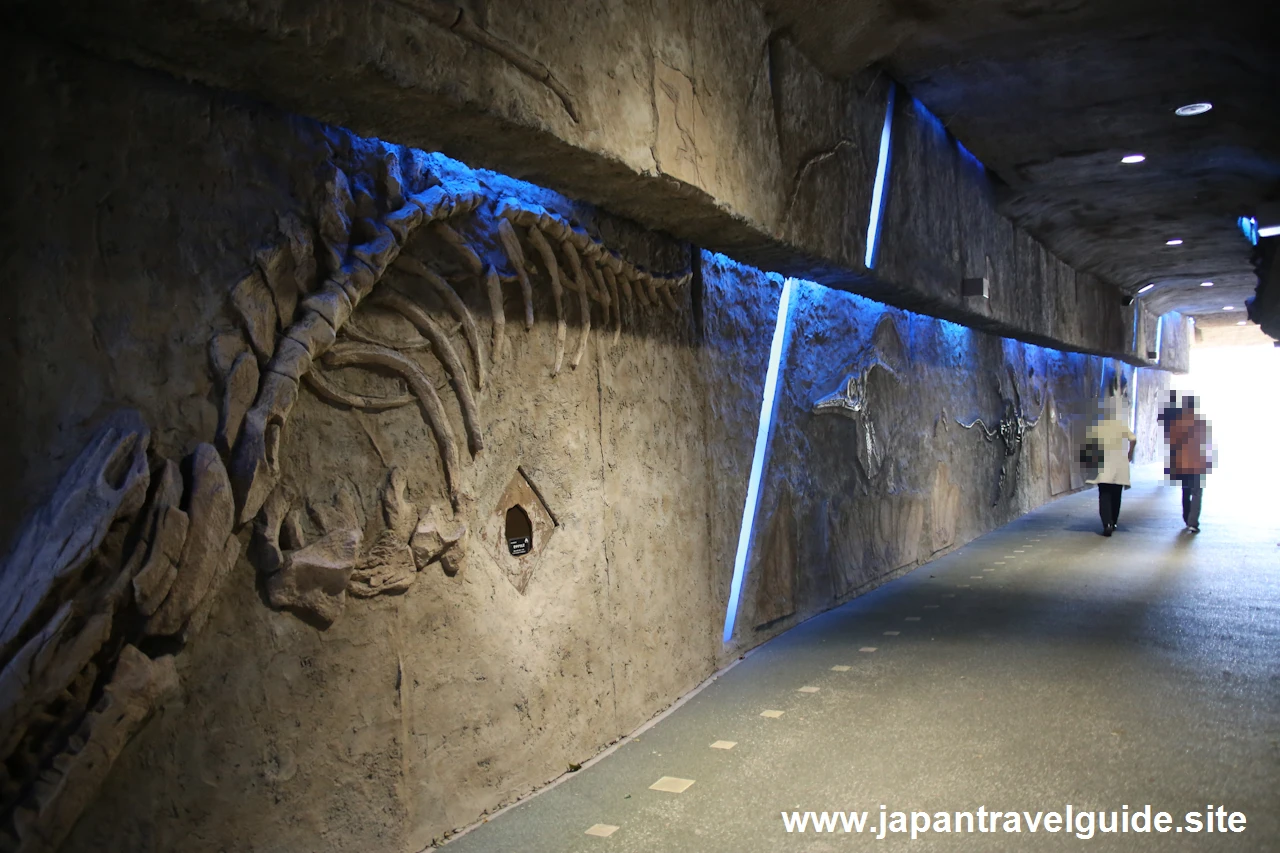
{"x": 695, "y": 120}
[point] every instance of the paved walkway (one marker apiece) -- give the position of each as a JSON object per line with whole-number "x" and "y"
{"x": 1041, "y": 665}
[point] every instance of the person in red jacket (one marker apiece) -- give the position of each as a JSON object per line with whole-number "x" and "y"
{"x": 1189, "y": 458}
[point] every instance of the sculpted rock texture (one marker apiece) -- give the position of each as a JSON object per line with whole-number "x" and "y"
{"x": 106, "y": 482}
{"x": 441, "y": 683}
{"x": 210, "y": 512}
{"x": 99, "y": 547}
{"x": 900, "y": 480}
{"x": 128, "y": 700}
{"x": 167, "y": 534}
{"x": 777, "y": 569}
{"x": 716, "y": 125}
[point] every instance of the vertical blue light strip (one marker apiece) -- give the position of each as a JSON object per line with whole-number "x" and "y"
{"x": 758, "y": 460}
{"x": 1159, "y": 334}
{"x": 882, "y": 174}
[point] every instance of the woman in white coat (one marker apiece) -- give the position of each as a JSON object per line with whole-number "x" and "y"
{"x": 1111, "y": 433}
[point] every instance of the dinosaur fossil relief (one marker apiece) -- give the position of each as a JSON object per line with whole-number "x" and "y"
{"x": 112, "y": 578}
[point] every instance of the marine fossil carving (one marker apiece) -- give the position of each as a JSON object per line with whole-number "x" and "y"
{"x": 1011, "y": 429}
{"x": 543, "y": 248}
{"x": 457, "y": 20}
{"x": 110, "y": 558}
{"x": 851, "y": 398}
{"x": 450, "y": 298}
{"x": 129, "y": 554}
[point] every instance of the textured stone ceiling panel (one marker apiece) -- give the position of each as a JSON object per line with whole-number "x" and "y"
{"x": 1050, "y": 95}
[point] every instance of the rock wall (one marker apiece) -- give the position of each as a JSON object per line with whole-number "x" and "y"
{"x": 279, "y": 393}
{"x": 292, "y": 382}
{"x": 1153, "y": 388}
{"x": 901, "y": 437}
{"x": 702, "y": 120}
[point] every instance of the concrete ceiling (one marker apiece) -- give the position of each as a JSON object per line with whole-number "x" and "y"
{"x": 1050, "y": 94}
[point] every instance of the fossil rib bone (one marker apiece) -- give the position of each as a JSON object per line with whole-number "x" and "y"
{"x": 612, "y": 284}
{"x": 448, "y": 356}
{"x": 543, "y": 248}
{"x": 348, "y": 354}
{"x": 584, "y": 306}
{"x": 324, "y": 387}
{"x": 450, "y": 298}
{"x": 494, "y": 285}
{"x": 515, "y": 255}
{"x": 446, "y": 232}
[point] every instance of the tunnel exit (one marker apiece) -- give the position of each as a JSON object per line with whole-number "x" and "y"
{"x": 1242, "y": 412}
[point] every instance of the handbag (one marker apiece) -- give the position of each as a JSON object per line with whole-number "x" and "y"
{"x": 1091, "y": 455}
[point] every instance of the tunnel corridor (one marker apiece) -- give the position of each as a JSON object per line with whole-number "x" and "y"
{"x": 1038, "y": 666}
{"x": 638, "y": 426}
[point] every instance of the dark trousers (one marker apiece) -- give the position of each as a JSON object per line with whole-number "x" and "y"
{"x": 1192, "y": 491}
{"x": 1109, "y": 502}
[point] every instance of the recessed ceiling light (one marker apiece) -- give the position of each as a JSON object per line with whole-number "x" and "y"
{"x": 1228, "y": 307}
{"x": 1194, "y": 109}
{"x": 1173, "y": 242}
{"x": 1148, "y": 287}
{"x": 1133, "y": 158}
{"x": 1206, "y": 284}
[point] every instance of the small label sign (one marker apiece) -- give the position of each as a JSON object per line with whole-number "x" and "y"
{"x": 520, "y": 546}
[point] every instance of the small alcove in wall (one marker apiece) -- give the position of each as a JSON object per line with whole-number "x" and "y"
{"x": 518, "y": 530}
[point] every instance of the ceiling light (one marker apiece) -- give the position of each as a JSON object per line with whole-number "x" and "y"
{"x": 1194, "y": 109}
{"x": 1148, "y": 287}
{"x": 1228, "y": 307}
{"x": 1173, "y": 242}
{"x": 1133, "y": 158}
{"x": 1206, "y": 284}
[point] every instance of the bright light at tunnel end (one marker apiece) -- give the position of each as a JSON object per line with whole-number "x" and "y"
{"x": 758, "y": 459}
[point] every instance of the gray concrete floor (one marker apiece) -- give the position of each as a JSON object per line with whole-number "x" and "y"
{"x": 1039, "y": 666}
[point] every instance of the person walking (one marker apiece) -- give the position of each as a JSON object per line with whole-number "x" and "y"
{"x": 1111, "y": 433}
{"x": 1189, "y": 458}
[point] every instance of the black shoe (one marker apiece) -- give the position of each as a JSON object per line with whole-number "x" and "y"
{"x": 1107, "y": 528}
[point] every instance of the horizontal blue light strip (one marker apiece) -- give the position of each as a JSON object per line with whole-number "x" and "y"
{"x": 758, "y": 460}
{"x": 882, "y": 174}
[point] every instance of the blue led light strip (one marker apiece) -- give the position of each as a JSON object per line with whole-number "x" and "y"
{"x": 1159, "y": 333}
{"x": 758, "y": 460}
{"x": 882, "y": 173}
